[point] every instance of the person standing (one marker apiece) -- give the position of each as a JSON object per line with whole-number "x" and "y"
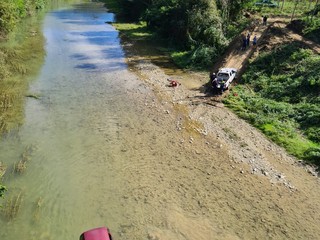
{"x": 264, "y": 20}
{"x": 244, "y": 42}
{"x": 248, "y": 39}
{"x": 212, "y": 76}
{"x": 254, "y": 41}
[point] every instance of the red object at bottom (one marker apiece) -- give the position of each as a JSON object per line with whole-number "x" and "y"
{"x": 101, "y": 233}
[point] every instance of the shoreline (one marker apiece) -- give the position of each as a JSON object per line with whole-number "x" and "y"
{"x": 243, "y": 142}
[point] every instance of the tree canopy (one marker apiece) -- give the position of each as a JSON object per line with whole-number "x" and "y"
{"x": 197, "y": 25}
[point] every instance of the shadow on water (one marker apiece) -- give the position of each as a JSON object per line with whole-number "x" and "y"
{"x": 108, "y": 38}
{"x": 105, "y": 38}
{"x": 79, "y": 56}
{"x": 95, "y": 16}
{"x": 87, "y": 66}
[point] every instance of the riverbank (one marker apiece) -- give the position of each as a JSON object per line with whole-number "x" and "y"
{"x": 124, "y": 150}
{"x": 225, "y": 155}
{"x": 212, "y": 116}
{"x": 22, "y": 54}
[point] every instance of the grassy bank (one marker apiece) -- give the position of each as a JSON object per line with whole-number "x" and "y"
{"x": 190, "y": 50}
{"x": 21, "y": 56}
{"x": 283, "y": 99}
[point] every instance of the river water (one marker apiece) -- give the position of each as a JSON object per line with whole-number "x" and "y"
{"x": 70, "y": 142}
{"x": 98, "y": 148}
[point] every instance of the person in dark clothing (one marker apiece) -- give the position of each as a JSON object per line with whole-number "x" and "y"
{"x": 254, "y": 41}
{"x": 212, "y": 76}
{"x": 244, "y": 43}
{"x": 264, "y": 20}
{"x": 248, "y": 40}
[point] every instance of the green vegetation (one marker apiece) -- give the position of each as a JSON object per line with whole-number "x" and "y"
{"x": 304, "y": 15}
{"x": 286, "y": 8}
{"x": 19, "y": 59}
{"x": 2, "y": 190}
{"x": 194, "y": 33}
{"x": 12, "y": 11}
{"x": 21, "y": 52}
{"x": 283, "y": 100}
{"x": 12, "y": 206}
{"x": 135, "y": 31}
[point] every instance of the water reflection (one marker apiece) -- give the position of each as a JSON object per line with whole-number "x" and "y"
{"x": 69, "y": 181}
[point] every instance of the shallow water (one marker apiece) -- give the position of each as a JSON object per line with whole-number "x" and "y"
{"x": 101, "y": 150}
{"x": 70, "y": 138}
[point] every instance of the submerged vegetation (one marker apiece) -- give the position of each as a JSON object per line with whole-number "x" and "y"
{"x": 283, "y": 99}
{"x": 21, "y": 52}
{"x": 18, "y": 62}
{"x": 12, "y": 206}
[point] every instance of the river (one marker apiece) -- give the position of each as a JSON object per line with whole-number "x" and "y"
{"x": 99, "y": 147}
{"x": 71, "y": 140}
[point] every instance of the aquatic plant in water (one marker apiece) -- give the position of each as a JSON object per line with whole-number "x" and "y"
{"x": 12, "y": 206}
{"x": 3, "y": 169}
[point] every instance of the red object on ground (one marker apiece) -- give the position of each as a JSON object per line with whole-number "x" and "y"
{"x": 174, "y": 83}
{"x": 101, "y": 233}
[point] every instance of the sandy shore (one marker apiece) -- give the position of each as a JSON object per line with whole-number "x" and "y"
{"x": 226, "y": 179}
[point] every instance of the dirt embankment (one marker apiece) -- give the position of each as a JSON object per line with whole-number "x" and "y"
{"x": 253, "y": 180}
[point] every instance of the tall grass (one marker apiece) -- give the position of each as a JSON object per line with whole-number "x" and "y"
{"x": 282, "y": 100}
{"x": 21, "y": 56}
{"x": 287, "y": 8}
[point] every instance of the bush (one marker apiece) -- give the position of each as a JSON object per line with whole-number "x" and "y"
{"x": 203, "y": 56}
{"x": 313, "y": 155}
{"x": 8, "y": 16}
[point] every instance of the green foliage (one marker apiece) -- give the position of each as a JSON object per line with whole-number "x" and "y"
{"x": 12, "y": 12}
{"x": 40, "y": 4}
{"x": 113, "y": 6}
{"x": 181, "y": 59}
{"x": 202, "y": 28}
{"x": 2, "y": 190}
{"x": 292, "y": 75}
{"x": 203, "y": 56}
{"x": 313, "y": 155}
{"x": 235, "y": 28}
{"x": 8, "y": 16}
{"x": 283, "y": 100}
{"x": 312, "y": 29}
{"x": 190, "y": 24}
{"x": 135, "y": 31}
{"x": 20, "y": 56}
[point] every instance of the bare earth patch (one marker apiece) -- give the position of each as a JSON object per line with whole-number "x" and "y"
{"x": 227, "y": 181}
